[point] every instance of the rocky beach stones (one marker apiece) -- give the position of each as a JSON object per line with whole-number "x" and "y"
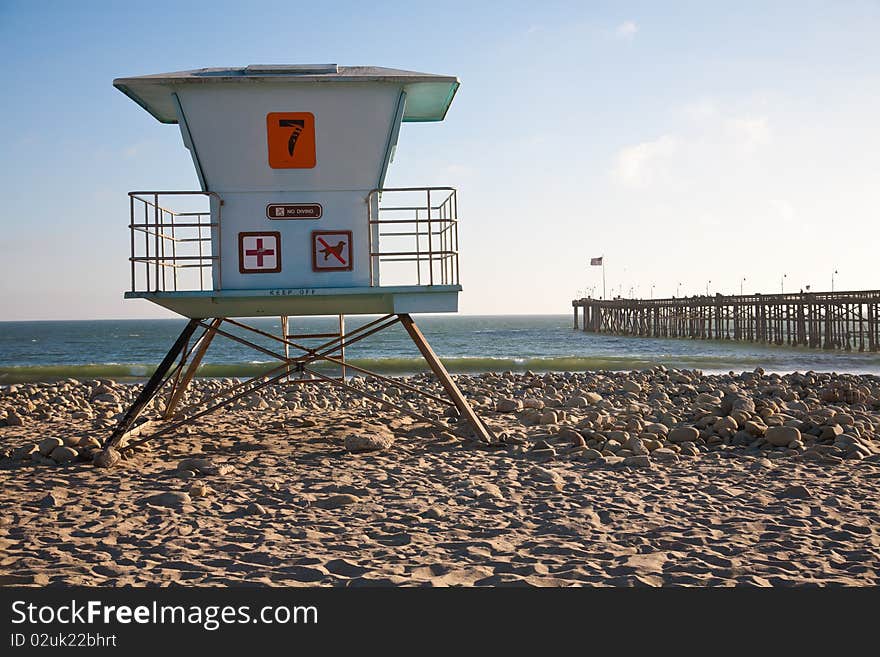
{"x": 651, "y": 487}
{"x": 782, "y": 436}
{"x": 508, "y": 405}
{"x": 683, "y": 435}
{"x": 47, "y": 445}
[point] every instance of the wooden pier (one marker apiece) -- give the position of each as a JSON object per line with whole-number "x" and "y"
{"x": 848, "y": 321}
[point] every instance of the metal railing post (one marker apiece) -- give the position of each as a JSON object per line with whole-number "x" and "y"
{"x": 131, "y": 234}
{"x": 430, "y": 244}
{"x": 156, "y": 220}
{"x": 370, "y": 237}
{"x": 146, "y": 241}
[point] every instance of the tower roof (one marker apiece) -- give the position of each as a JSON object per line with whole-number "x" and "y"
{"x": 428, "y": 95}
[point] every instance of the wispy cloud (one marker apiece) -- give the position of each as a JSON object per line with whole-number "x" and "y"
{"x": 626, "y": 30}
{"x": 641, "y": 163}
{"x": 709, "y": 139}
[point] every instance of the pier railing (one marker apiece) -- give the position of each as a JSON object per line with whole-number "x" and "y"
{"x": 847, "y": 320}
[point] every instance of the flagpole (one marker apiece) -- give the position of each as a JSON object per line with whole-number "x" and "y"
{"x": 604, "y": 297}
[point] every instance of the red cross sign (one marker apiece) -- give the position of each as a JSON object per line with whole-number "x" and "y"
{"x": 259, "y": 253}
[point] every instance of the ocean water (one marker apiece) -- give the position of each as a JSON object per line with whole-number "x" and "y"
{"x": 129, "y": 349}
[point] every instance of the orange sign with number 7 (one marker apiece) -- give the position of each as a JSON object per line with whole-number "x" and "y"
{"x": 291, "y": 138}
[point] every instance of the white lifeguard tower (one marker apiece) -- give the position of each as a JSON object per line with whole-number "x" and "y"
{"x": 292, "y": 219}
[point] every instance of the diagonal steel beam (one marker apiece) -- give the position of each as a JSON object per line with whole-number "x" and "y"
{"x": 445, "y": 380}
{"x": 186, "y": 420}
{"x": 152, "y": 386}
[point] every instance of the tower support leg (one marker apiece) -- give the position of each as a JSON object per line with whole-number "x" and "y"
{"x": 152, "y": 385}
{"x": 464, "y": 408}
{"x": 180, "y": 388}
{"x": 328, "y": 352}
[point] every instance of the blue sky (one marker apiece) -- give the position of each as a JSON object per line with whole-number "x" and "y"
{"x": 685, "y": 142}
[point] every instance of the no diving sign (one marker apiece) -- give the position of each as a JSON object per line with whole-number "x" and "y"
{"x": 331, "y": 250}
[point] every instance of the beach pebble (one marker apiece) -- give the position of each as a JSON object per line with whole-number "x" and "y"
{"x": 368, "y": 442}
{"x": 199, "y": 489}
{"x": 25, "y": 451}
{"x": 590, "y": 454}
{"x": 664, "y": 455}
{"x": 64, "y": 454}
{"x": 336, "y": 501}
{"x": 639, "y": 461}
{"x": 548, "y": 417}
{"x": 683, "y": 435}
{"x": 254, "y": 509}
{"x": 546, "y": 475}
{"x": 636, "y": 446}
{"x": 434, "y": 513}
{"x": 170, "y": 499}
{"x": 592, "y": 397}
{"x": 796, "y": 491}
{"x": 830, "y": 432}
{"x": 52, "y": 499}
{"x": 782, "y": 436}
{"x": 199, "y": 465}
{"x": 571, "y": 435}
{"x": 508, "y": 405}
{"x": 106, "y": 398}
{"x": 689, "y": 450}
{"x": 13, "y": 419}
{"x": 631, "y": 386}
{"x": 725, "y": 423}
{"x": 756, "y": 429}
{"x": 612, "y": 446}
{"x": 107, "y": 458}
{"x": 48, "y": 444}
{"x": 656, "y": 428}
{"x": 489, "y": 490}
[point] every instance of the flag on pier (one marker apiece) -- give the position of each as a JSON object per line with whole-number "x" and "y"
{"x": 596, "y": 262}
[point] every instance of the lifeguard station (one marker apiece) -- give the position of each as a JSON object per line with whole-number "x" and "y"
{"x": 292, "y": 219}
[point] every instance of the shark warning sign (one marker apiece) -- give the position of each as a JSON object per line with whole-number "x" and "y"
{"x": 331, "y": 250}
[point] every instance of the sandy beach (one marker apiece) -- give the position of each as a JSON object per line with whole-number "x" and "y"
{"x": 621, "y": 479}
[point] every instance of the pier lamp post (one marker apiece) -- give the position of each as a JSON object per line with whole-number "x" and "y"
{"x": 652, "y": 290}
{"x": 833, "y": 274}
{"x": 782, "y": 283}
{"x": 743, "y": 280}
{"x": 708, "y": 283}
{"x": 677, "y": 288}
